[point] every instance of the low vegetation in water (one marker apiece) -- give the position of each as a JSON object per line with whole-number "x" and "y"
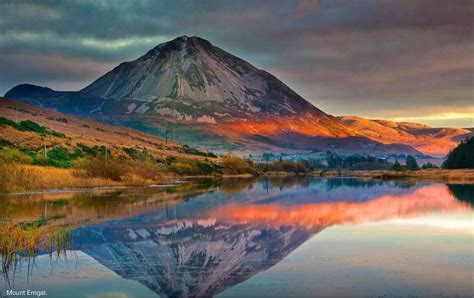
{"x": 25, "y": 240}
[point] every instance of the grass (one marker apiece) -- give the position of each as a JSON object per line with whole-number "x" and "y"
{"x": 20, "y": 177}
{"x": 18, "y": 241}
{"x": 435, "y": 175}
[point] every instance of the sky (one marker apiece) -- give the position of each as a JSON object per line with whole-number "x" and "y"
{"x": 404, "y": 60}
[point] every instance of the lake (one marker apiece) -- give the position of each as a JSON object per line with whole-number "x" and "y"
{"x": 290, "y": 236}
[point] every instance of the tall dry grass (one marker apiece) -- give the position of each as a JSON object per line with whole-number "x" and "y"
{"x": 19, "y": 177}
{"x": 17, "y": 241}
{"x": 436, "y": 175}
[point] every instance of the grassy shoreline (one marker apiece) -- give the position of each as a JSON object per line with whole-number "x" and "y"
{"x": 428, "y": 175}
{"x": 27, "y": 179}
{"x": 31, "y": 178}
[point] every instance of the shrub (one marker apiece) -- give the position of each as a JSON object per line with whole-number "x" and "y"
{"x": 57, "y": 157}
{"x": 138, "y": 154}
{"x": 10, "y": 155}
{"x": 147, "y": 170}
{"x": 288, "y": 166}
{"x": 235, "y": 165}
{"x": 29, "y": 125}
{"x": 397, "y": 166}
{"x": 194, "y": 151}
{"x": 186, "y": 166}
{"x": 99, "y": 166}
{"x": 8, "y": 122}
{"x": 429, "y": 165}
{"x": 182, "y": 168}
{"x": 206, "y": 168}
{"x": 93, "y": 151}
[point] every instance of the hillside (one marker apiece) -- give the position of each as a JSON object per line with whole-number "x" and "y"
{"x": 429, "y": 140}
{"x": 80, "y": 131}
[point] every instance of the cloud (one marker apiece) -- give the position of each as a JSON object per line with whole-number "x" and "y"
{"x": 306, "y": 7}
{"x": 372, "y": 56}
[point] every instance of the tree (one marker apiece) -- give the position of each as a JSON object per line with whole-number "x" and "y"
{"x": 397, "y": 166}
{"x": 411, "y": 163}
{"x": 428, "y": 165}
{"x": 461, "y": 157}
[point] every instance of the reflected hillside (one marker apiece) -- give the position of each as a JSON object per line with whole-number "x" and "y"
{"x": 423, "y": 200}
{"x": 463, "y": 192}
{"x": 86, "y": 207}
{"x": 215, "y": 240}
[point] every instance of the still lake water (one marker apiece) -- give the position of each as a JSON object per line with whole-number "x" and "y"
{"x": 246, "y": 237}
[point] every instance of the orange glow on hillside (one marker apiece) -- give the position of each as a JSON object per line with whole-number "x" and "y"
{"x": 306, "y": 125}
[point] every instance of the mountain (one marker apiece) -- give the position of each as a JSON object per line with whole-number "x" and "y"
{"x": 212, "y": 99}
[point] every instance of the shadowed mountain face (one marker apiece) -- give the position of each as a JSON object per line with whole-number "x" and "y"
{"x": 215, "y": 240}
{"x": 215, "y": 100}
{"x": 188, "y": 77}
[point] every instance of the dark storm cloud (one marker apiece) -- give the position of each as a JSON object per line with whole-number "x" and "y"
{"x": 392, "y": 59}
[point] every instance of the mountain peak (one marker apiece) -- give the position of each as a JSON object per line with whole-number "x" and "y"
{"x": 185, "y": 40}
{"x": 180, "y": 43}
{"x": 189, "y": 78}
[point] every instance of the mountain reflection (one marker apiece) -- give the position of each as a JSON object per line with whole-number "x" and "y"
{"x": 213, "y": 240}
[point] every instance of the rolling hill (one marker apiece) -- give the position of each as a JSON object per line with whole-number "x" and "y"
{"x": 71, "y": 131}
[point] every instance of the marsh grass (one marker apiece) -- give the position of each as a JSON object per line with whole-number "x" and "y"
{"x": 24, "y": 242}
{"x": 436, "y": 175}
{"x": 20, "y": 177}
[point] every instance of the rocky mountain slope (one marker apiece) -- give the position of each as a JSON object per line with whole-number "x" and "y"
{"x": 214, "y": 100}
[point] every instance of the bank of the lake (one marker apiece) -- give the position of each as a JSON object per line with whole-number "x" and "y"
{"x": 428, "y": 175}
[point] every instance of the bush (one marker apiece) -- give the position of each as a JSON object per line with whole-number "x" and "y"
{"x": 10, "y": 155}
{"x": 93, "y": 151}
{"x": 397, "y": 166}
{"x": 147, "y": 170}
{"x": 29, "y": 125}
{"x": 57, "y": 157}
{"x": 186, "y": 166}
{"x": 288, "y": 166}
{"x": 182, "y": 168}
{"x": 235, "y": 166}
{"x": 429, "y": 165}
{"x": 99, "y": 166}
{"x": 188, "y": 150}
{"x": 138, "y": 154}
{"x": 8, "y": 122}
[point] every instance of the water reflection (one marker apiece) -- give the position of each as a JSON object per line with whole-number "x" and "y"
{"x": 463, "y": 192}
{"x": 200, "y": 238}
